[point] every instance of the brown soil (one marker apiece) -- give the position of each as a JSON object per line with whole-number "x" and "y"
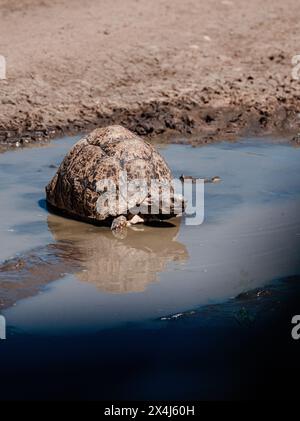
{"x": 213, "y": 68}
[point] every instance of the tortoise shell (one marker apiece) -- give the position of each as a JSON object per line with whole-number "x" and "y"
{"x": 105, "y": 154}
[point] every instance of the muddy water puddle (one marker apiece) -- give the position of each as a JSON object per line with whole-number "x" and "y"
{"x": 59, "y": 276}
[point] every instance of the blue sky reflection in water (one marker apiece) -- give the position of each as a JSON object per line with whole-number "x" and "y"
{"x": 251, "y": 235}
{"x": 94, "y": 282}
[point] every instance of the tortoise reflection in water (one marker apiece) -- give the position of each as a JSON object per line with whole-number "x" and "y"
{"x": 93, "y": 255}
{"x": 120, "y": 266}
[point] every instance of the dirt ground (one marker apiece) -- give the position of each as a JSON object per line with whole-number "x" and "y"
{"x": 210, "y": 68}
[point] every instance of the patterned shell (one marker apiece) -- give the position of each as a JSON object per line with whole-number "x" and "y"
{"x": 102, "y": 155}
